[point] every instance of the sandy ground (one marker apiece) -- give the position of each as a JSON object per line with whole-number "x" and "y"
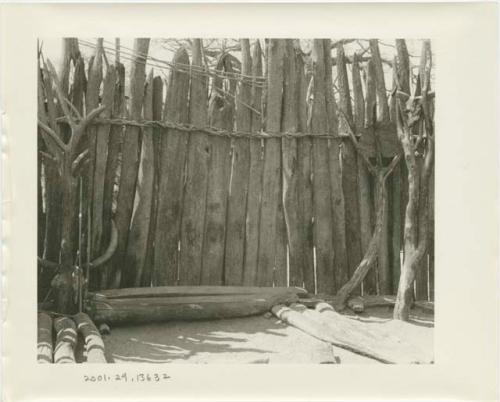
{"x": 253, "y": 340}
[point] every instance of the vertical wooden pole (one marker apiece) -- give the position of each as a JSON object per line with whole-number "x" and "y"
{"x": 172, "y": 158}
{"x": 321, "y": 177}
{"x": 130, "y": 158}
{"x": 195, "y": 192}
{"x": 370, "y": 284}
{"x": 349, "y": 174}
{"x": 305, "y": 191}
{"x": 52, "y": 181}
{"x": 421, "y": 279}
{"x": 383, "y": 116}
{"x": 365, "y": 216}
{"x": 137, "y": 244}
{"x": 395, "y": 197}
{"x": 272, "y": 165}
{"x": 112, "y": 161}
{"x": 70, "y": 52}
{"x": 345, "y": 208}
{"x": 290, "y": 172}
{"x": 157, "y": 132}
{"x": 431, "y": 237}
{"x": 101, "y": 155}
{"x": 237, "y": 205}
{"x": 95, "y": 76}
{"x": 43, "y": 279}
{"x": 221, "y": 111}
{"x": 255, "y": 174}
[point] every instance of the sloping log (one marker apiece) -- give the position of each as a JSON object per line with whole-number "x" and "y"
{"x": 381, "y": 343}
{"x": 161, "y": 309}
{"x": 195, "y": 191}
{"x": 44, "y": 339}
{"x": 179, "y": 291}
{"x": 94, "y": 345}
{"x": 327, "y": 325}
{"x": 65, "y": 340}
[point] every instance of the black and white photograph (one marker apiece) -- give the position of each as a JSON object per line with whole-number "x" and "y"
{"x": 233, "y": 200}
{"x": 248, "y": 201}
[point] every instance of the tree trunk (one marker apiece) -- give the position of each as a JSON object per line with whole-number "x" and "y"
{"x": 371, "y": 252}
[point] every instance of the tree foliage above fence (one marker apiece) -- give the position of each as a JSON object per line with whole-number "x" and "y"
{"x": 237, "y": 169}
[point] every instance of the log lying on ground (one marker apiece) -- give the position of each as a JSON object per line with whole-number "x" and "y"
{"x": 137, "y": 310}
{"x": 325, "y": 324}
{"x": 180, "y": 291}
{"x": 360, "y": 303}
{"x": 65, "y": 340}
{"x": 44, "y": 344}
{"x": 94, "y": 345}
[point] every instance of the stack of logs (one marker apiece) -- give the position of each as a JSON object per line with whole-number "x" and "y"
{"x": 64, "y": 331}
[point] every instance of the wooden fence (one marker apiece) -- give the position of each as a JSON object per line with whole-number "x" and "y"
{"x": 241, "y": 174}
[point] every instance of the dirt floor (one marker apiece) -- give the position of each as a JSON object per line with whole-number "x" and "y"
{"x": 257, "y": 339}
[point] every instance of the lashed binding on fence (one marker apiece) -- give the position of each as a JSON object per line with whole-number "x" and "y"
{"x": 240, "y": 174}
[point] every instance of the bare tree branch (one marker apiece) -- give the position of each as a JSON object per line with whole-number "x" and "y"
{"x": 53, "y": 136}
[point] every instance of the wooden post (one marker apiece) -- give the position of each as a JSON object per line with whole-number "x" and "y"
{"x": 70, "y": 52}
{"x": 431, "y": 237}
{"x": 130, "y": 162}
{"x": 321, "y": 175}
{"x": 91, "y": 102}
{"x": 290, "y": 163}
{"x": 383, "y": 116}
{"x": 65, "y": 340}
{"x": 110, "y": 175}
{"x": 221, "y": 111}
{"x": 416, "y": 238}
{"x": 44, "y": 345}
{"x": 268, "y": 246}
{"x": 255, "y": 174}
{"x": 403, "y": 73}
{"x": 337, "y": 176}
{"x": 135, "y": 253}
{"x": 94, "y": 345}
{"x": 195, "y": 192}
{"x": 101, "y": 155}
{"x": 305, "y": 191}
{"x": 395, "y": 197}
{"x": 365, "y": 205}
{"x": 237, "y": 204}
{"x": 172, "y": 158}
{"x": 147, "y": 275}
{"x": 349, "y": 174}
{"x": 53, "y": 213}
